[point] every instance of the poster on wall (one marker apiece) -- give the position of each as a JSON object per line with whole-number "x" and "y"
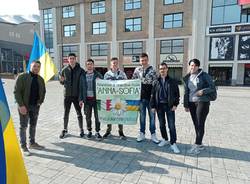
{"x": 244, "y": 47}
{"x": 222, "y": 48}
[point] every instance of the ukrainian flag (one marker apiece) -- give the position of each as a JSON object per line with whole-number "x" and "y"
{"x": 12, "y": 169}
{"x": 48, "y": 69}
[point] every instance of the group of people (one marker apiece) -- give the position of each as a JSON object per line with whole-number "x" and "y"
{"x": 159, "y": 95}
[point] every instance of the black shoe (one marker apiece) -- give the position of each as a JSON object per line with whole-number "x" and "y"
{"x": 122, "y": 136}
{"x": 98, "y": 136}
{"x": 63, "y": 134}
{"x": 105, "y": 136}
{"x": 25, "y": 151}
{"x": 82, "y": 134}
{"x": 89, "y": 135}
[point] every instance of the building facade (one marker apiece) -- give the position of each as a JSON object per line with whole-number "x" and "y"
{"x": 173, "y": 31}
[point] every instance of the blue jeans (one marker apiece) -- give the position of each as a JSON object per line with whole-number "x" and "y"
{"x": 161, "y": 111}
{"x": 143, "y": 106}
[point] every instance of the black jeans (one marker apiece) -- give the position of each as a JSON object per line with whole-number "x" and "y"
{"x": 31, "y": 117}
{"x": 67, "y": 105}
{"x": 161, "y": 111}
{"x": 199, "y": 112}
{"x": 88, "y": 106}
{"x": 109, "y": 128}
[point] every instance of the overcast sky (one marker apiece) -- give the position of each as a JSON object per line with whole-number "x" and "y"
{"x": 19, "y": 7}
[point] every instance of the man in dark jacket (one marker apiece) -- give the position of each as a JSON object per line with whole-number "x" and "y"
{"x": 69, "y": 78}
{"x": 29, "y": 94}
{"x": 87, "y": 96}
{"x": 164, "y": 99}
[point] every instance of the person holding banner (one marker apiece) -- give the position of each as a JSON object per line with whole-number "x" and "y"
{"x": 115, "y": 74}
{"x": 165, "y": 99}
{"x": 29, "y": 94}
{"x": 147, "y": 74}
{"x": 69, "y": 78}
{"x": 87, "y": 96}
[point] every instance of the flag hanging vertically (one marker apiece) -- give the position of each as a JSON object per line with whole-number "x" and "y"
{"x": 48, "y": 69}
{"x": 12, "y": 169}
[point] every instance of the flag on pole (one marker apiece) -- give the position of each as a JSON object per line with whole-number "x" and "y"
{"x": 12, "y": 169}
{"x": 48, "y": 69}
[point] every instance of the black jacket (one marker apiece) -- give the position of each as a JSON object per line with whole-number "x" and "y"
{"x": 172, "y": 89}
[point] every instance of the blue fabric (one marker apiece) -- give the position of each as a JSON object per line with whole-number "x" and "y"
{"x": 144, "y": 105}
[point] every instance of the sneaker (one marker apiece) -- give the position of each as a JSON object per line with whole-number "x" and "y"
{"x": 175, "y": 148}
{"x": 89, "y": 135}
{"x": 122, "y": 136}
{"x": 36, "y": 146}
{"x": 82, "y": 134}
{"x": 25, "y": 151}
{"x": 140, "y": 137}
{"x": 163, "y": 143}
{"x": 98, "y": 136}
{"x": 194, "y": 150}
{"x": 106, "y": 135}
{"x": 154, "y": 138}
{"x": 63, "y": 134}
{"x": 201, "y": 147}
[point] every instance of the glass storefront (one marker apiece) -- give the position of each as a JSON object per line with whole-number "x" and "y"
{"x": 221, "y": 75}
{"x": 247, "y": 75}
{"x": 175, "y": 73}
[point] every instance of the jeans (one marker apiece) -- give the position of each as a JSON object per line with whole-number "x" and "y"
{"x": 109, "y": 128}
{"x": 31, "y": 117}
{"x": 67, "y": 105}
{"x": 144, "y": 104}
{"x": 199, "y": 112}
{"x": 161, "y": 111}
{"x": 88, "y": 106}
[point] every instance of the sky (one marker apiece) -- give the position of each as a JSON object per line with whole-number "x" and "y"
{"x": 19, "y": 7}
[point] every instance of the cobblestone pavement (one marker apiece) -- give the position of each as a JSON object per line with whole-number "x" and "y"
{"x": 76, "y": 160}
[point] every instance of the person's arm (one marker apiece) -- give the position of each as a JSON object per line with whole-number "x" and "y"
{"x": 62, "y": 77}
{"x": 18, "y": 93}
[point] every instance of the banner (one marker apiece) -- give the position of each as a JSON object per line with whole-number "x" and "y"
{"x": 118, "y": 101}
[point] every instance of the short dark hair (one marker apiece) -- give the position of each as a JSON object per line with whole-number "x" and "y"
{"x": 36, "y": 61}
{"x": 195, "y": 61}
{"x": 144, "y": 55}
{"x": 72, "y": 54}
{"x": 164, "y": 64}
{"x": 114, "y": 59}
{"x": 90, "y": 60}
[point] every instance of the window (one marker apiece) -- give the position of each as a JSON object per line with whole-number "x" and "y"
{"x": 172, "y": 46}
{"x": 69, "y": 30}
{"x": 225, "y": 12}
{"x": 132, "y": 24}
{"x": 172, "y": 1}
{"x": 70, "y": 49}
{"x": 99, "y": 28}
{"x": 132, "y": 4}
{"x": 245, "y": 16}
{"x": 48, "y": 29}
{"x": 132, "y": 48}
{"x": 174, "y": 20}
{"x": 99, "y": 49}
{"x": 68, "y": 11}
{"x": 98, "y": 7}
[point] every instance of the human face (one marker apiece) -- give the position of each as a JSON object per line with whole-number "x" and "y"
{"x": 72, "y": 61}
{"x": 144, "y": 61}
{"x": 163, "y": 70}
{"x": 193, "y": 68}
{"x": 89, "y": 66}
{"x": 114, "y": 65}
{"x": 35, "y": 68}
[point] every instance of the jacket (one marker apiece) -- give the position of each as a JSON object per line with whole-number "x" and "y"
{"x": 83, "y": 85}
{"x": 71, "y": 80}
{"x": 205, "y": 83}
{"x": 172, "y": 89}
{"x": 22, "y": 89}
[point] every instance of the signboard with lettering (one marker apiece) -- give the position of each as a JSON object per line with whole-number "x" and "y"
{"x": 221, "y": 29}
{"x": 171, "y": 58}
{"x": 242, "y": 28}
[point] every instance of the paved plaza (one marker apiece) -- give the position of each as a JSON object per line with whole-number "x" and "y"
{"x": 75, "y": 160}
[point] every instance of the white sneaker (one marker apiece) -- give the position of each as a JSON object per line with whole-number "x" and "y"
{"x": 154, "y": 138}
{"x": 175, "y": 148}
{"x": 163, "y": 143}
{"x": 194, "y": 150}
{"x": 140, "y": 137}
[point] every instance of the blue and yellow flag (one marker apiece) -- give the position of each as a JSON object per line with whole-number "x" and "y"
{"x": 12, "y": 169}
{"x": 48, "y": 69}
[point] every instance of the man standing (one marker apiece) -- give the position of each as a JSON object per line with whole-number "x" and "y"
{"x": 69, "y": 78}
{"x": 87, "y": 95}
{"x": 164, "y": 99}
{"x": 114, "y": 74}
{"x": 29, "y": 94}
{"x": 147, "y": 74}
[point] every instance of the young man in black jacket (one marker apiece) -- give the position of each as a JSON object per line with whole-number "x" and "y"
{"x": 165, "y": 99}
{"x": 69, "y": 78}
